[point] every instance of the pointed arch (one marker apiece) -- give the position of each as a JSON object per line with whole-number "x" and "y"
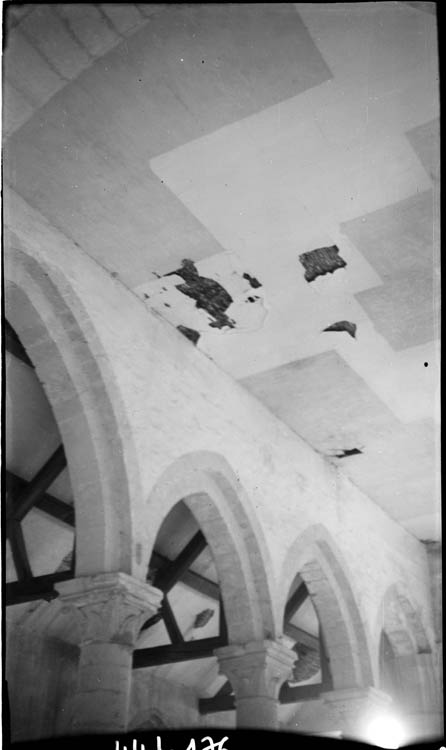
{"x": 207, "y": 485}
{"x": 315, "y": 556}
{"x": 402, "y": 622}
{"x": 78, "y": 380}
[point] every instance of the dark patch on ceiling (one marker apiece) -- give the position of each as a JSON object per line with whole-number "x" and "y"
{"x": 189, "y": 333}
{"x": 252, "y": 299}
{"x": 348, "y": 452}
{"x": 255, "y": 283}
{"x": 203, "y": 618}
{"x": 343, "y": 325}
{"x": 321, "y": 261}
{"x": 208, "y": 294}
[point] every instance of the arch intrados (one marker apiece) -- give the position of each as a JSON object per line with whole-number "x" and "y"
{"x": 60, "y": 339}
{"x": 208, "y": 487}
{"x": 402, "y": 623}
{"x": 314, "y": 556}
{"x": 400, "y": 620}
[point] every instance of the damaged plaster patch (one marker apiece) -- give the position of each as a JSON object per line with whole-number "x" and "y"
{"x": 343, "y": 325}
{"x": 189, "y": 333}
{"x": 212, "y": 296}
{"x": 208, "y": 294}
{"x": 252, "y": 280}
{"x": 347, "y": 452}
{"x": 321, "y": 261}
{"x": 203, "y": 618}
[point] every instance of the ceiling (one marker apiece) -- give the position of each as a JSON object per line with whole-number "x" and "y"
{"x": 243, "y": 138}
{"x": 240, "y": 137}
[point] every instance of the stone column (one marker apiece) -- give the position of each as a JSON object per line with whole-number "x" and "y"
{"x": 256, "y": 671}
{"x": 353, "y": 708}
{"x": 110, "y": 608}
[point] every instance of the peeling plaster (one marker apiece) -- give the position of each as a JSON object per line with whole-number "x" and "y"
{"x": 321, "y": 261}
{"x": 208, "y": 294}
{"x": 343, "y": 325}
{"x": 189, "y": 333}
{"x": 345, "y": 452}
{"x": 211, "y": 296}
{"x": 252, "y": 280}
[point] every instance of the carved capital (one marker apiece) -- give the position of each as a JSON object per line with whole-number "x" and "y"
{"x": 257, "y": 668}
{"x": 110, "y": 607}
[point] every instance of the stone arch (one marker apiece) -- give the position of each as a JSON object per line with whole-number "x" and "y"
{"x": 77, "y": 377}
{"x": 205, "y": 482}
{"x": 400, "y": 623}
{"x": 315, "y": 557}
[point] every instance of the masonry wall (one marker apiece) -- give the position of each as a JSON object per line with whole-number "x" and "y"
{"x": 41, "y": 675}
{"x": 177, "y": 401}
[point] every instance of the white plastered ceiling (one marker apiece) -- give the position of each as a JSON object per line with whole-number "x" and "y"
{"x": 239, "y": 138}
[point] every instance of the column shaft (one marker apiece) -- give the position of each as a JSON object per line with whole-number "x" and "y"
{"x": 111, "y": 609}
{"x": 257, "y": 712}
{"x": 256, "y": 671}
{"x": 102, "y": 699}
